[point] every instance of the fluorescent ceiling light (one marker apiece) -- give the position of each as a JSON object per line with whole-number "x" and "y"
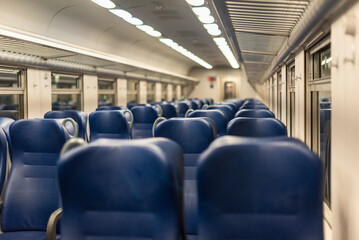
{"x": 211, "y": 26}
{"x": 154, "y": 33}
{"x": 206, "y": 19}
{"x": 145, "y": 28}
{"x": 121, "y": 13}
{"x": 134, "y": 21}
{"x": 195, "y": 3}
{"x": 214, "y": 32}
{"x": 104, "y": 3}
{"x": 185, "y": 52}
{"x": 201, "y": 11}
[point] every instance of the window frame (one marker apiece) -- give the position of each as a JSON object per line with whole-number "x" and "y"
{"x": 108, "y": 91}
{"x": 22, "y": 90}
{"x": 68, "y": 91}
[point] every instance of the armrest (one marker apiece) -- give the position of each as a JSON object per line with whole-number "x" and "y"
{"x": 51, "y": 224}
{"x": 1, "y": 202}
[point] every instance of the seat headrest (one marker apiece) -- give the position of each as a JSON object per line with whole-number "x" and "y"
{"x": 227, "y": 110}
{"x": 37, "y": 135}
{"x": 255, "y": 113}
{"x": 144, "y": 114}
{"x": 102, "y": 108}
{"x": 254, "y": 106}
{"x": 255, "y": 182}
{"x": 168, "y": 110}
{"x": 256, "y": 127}
{"x": 192, "y": 134}
{"x": 135, "y": 183}
{"x": 78, "y": 116}
{"x": 216, "y": 115}
{"x": 108, "y": 124}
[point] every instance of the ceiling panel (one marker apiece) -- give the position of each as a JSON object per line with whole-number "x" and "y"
{"x": 261, "y": 28}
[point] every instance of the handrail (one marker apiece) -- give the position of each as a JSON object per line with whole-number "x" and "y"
{"x": 188, "y": 112}
{"x": 72, "y": 143}
{"x": 76, "y": 129}
{"x": 158, "y": 120}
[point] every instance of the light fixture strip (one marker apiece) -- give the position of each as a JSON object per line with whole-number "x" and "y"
{"x": 126, "y": 16}
{"x": 204, "y": 15}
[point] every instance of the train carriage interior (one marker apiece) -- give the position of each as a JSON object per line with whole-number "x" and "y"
{"x": 179, "y": 119}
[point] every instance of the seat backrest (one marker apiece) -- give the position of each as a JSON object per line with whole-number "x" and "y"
{"x": 143, "y": 119}
{"x": 194, "y": 135}
{"x": 257, "y": 188}
{"x": 227, "y": 110}
{"x": 256, "y": 127}
{"x": 237, "y": 102}
{"x": 182, "y": 108}
{"x": 108, "y": 124}
{"x": 254, "y": 106}
{"x": 168, "y": 110}
{"x": 5, "y": 125}
{"x": 255, "y": 113}
{"x": 9, "y": 114}
{"x": 31, "y": 194}
{"x": 216, "y": 115}
{"x": 132, "y": 193}
{"x": 252, "y": 101}
{"x": 195, "y": 104}
{"x": 3, "y": 157}
{"x": 102, "y": 108}
{"x": 78, "y": 116}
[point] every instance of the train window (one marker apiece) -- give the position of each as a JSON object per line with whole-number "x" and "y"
{"x": 291, "y": 99}
{"x": 279, "y": 98}
{"x": 164, "y": 92}
{"x": 151, "y": 91}
{"x": 132, "y": 91}
{"x": 106, "y": 92}
{"x": 12, "y": 93}
{"x": 320, "y": 107}
{"x": 66, "y": 92}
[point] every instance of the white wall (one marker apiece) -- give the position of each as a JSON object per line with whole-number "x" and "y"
{"x": 169, "y": 92}
{"x": 90, "y": 93}
{"x": 178, "y": 92}
{"x": 121, "y": 92}
{"x": 158, "y": 92}
{"x": 345, "y": 130}
{"x": 142, "y": 92}
{"x": 299, "y": 131}
{"x": 38, "y": 93}
{"x": 238, "y": 76}
{"x": 284, "y": 94}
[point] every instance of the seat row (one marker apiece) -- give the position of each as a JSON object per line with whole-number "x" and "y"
{"x": 233, "y": 187}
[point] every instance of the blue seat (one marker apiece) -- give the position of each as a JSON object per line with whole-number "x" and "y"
{"x": 108, "y": 124}
{"x": 143, "y": 119}
{"x": 182, "y": 108}
{"x": 3, "y": 158}
{"x": 232, "y": 105}
{"x": 255, "y": 113}
{"x": 259, "y": 188}
{"x": 202, "y": 102}
{"x": 254, "y": 106}
{"x": 227, "y": 110}
{"x": 31, "y": 194}
{"x": 134, "y": 192}
{"x": 216, "y": 115}
{"x": 5, "y": 125}
{"x": 195, "y": 104}
{"x": 252, "y": 101}
{"x": 237, "y": 102}
{"x": 78, "y": 116}
{"x": 168, "y": 110}
{"x": 102, "y": 108}
{"x": 256, "y": 127}
{"x": 194, "y": 135}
